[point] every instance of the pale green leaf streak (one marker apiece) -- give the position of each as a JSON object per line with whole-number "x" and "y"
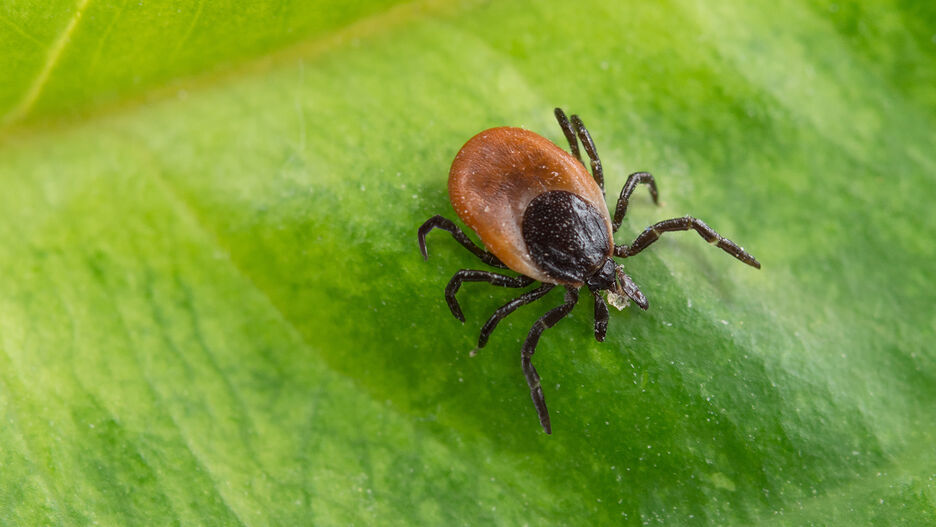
{"x": 188, "y": 32}
{"x": 32, "y": 93}
{"x": 19, "y": 31}
{"x": 104, "y": 38}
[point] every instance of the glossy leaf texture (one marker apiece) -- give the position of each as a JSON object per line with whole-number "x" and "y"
{"x": 213, "y": 309}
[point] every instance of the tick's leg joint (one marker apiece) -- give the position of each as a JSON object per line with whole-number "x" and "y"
{"x": 632, "y": 181}
{"x": 653, "y": 233}
{"x": 438, "y": 222}
{"x": 510, "y": 307}
{"x": 471, "y": 275}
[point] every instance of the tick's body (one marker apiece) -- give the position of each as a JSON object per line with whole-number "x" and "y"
{"x": 494, "y": 179}
{"x": 540, "y": 213}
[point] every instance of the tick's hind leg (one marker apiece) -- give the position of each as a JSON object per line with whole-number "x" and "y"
{"x": 653, "y": 232}
{"x": 632, "y": 181}
{"x": 438, "y": 222}
{"x": 510, "y": 307}
{"x": 470, "y": 275}
{"x": 529, "y": 347}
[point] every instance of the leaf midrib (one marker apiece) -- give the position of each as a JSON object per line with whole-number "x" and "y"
{"x": 20, "y": 122}
{"x": 22, "y": 108}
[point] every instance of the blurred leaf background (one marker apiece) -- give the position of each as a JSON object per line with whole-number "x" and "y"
{"x": 213, "y": 310}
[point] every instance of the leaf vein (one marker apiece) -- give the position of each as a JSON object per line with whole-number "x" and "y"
{"x": 53, "y": 55}
{"x": 188, "y": 32}
{"x": 20, "y": 31}
{"x": 96, "y": 59}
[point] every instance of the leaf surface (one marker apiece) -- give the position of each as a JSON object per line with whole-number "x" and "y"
{"x": 213, "y": 309}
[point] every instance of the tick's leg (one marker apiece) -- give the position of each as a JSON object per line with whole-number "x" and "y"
{"x": 632, "y": 181}
{"x": 568, "y": 132}
{"x": 510, "y": 307}
{"x": 438, "y": 222}
{"x": 589, "y": 145}
{"x": 469, "y": 275}
{"x": 652, "y": 233}
{"x": 529, "y": 347}
{"x": 601, "y": 317}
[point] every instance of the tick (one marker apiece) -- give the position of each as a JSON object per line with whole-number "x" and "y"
{"x": 540, "y": 213}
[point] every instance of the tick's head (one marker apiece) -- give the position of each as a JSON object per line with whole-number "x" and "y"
{"x": 604, "y": 277}
{"x": 610, "y": 277}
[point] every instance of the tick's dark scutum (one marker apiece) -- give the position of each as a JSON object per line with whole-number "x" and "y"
{"x": 566, "y": 236}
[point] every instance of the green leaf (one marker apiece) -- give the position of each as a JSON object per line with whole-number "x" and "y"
{"x": 213, "y": 309}
{"x": 60, "y": 55}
